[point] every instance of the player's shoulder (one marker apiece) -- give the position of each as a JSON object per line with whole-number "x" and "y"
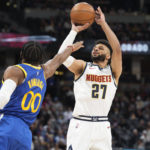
{"x": 13, "y": 71}
{"x": 90, "y": 64}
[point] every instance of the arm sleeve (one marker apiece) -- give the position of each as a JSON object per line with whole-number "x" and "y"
{"x": 6, "y": 91}
{"x": 68, "y": 41}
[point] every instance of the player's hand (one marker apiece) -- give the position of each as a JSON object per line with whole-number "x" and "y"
{"x": 76, "y": 46}
{"x": 79, "y": 28}
{"x": 99, "y": 16}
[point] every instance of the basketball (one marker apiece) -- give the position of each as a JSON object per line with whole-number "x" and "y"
{"x": 82, "y": 13}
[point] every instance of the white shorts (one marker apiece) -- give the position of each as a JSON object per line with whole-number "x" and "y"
{"x": 87, "y": 135}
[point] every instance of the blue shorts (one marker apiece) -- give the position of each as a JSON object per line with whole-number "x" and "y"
{"x": 14, "y": 134}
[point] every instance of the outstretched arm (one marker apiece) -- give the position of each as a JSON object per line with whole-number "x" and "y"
{"x": 116, "y": 60}
{"x": 51, "y": 65}
{"x": 72, "y": 35}
{"x": 74, "y": 65}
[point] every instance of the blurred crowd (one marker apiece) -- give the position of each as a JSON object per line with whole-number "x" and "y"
{"x": 127, "y": 6}
{"x": 129, "y": 117}
{"x": 59, "y": 24}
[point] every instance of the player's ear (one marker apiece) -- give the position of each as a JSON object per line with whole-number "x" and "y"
{"x": 108, "y": 55}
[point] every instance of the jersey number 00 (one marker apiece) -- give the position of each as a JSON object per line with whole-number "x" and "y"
{"x": 31, "y": 102}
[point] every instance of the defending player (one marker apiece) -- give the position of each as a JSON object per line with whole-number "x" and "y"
{"x": 22, "y": 93}
{"x": 94, "y": 89}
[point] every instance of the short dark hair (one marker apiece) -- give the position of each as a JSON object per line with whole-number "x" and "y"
{"x": 32, "y": 52}
{"x": 106, "y": 43}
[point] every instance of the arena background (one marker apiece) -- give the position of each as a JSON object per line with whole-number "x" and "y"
{"x": 48, "y": 21}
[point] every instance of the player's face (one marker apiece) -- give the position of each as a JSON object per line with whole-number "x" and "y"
{"x": 100, "y": 53}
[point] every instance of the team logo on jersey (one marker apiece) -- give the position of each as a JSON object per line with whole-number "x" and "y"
{"x": 70, "y": 147}
{"x": 96, "y": 78}
{"x": 77, "y": 125}
{"x": 37, "y": 73}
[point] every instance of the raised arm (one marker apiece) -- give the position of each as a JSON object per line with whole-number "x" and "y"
{"x": 116, "y": 60}
{"x": 74, "y": 65}
{"x": 51, "y": 65}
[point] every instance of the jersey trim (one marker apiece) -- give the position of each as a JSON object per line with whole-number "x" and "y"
{"x": 25, "y": 73}
{"x": 43, "y": 72}
{"x": 113, "y": 77}
{"x": 81, "y": 73}
{"x": 91, "y": 120}
{"x": 35, "y": 67}
{"x": 98, "y": 66}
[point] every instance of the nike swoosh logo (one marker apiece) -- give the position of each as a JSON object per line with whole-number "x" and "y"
{"x": 91, "y": 68}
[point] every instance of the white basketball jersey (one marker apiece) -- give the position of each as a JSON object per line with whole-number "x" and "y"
{"x": 94, "y": 91}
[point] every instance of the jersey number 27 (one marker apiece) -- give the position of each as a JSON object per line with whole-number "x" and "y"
{"x": 96, "y": 88}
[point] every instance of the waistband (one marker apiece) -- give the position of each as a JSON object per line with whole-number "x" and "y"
{"x": 91, "y": 118}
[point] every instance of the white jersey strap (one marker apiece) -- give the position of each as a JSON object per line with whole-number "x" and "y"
{"x": 81, "y": 73}
{"x": 113, "y": 77}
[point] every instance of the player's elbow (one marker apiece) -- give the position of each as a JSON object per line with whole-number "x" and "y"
{"x": 118, "y": 48}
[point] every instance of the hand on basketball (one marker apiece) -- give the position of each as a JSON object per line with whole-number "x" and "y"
{"x": 79, "y": 28}
{"x": 99, "y": 16}
{"x": 76, "y": 46}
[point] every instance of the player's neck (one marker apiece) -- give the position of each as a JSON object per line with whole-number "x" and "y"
{"x": 101, "y": 64}
{"x": 23, "y": 61}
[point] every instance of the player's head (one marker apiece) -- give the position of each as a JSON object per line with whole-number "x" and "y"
{"x": 32, "y": 52}
{"x": 101, "y": 52}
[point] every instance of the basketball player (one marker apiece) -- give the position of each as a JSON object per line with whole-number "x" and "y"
{"x": 95, "y": 86}
{"x": 22, "y": 93}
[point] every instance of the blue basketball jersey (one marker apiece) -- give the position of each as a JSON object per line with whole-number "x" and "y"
{"x": 27, "y": 98}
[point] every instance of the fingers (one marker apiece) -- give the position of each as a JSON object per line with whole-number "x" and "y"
{"x": 97, "y": 12}
{"x": 81, "y": 42}
{"x": 99, "y": 9}
{"x": 72, "y": 23}
{"x": 78, "y": 45}
{"x": 97, "y": 16}
{"x": 85, "y": 26}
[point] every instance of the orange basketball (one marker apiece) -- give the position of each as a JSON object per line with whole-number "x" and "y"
{"x": 82, "y": 13}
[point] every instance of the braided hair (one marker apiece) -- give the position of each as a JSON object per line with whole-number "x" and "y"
{"x": 32, "y": 52}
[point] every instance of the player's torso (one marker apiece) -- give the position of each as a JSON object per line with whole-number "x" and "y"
{"x": 27, "y": 99}
{"x": 94, "y": 91}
